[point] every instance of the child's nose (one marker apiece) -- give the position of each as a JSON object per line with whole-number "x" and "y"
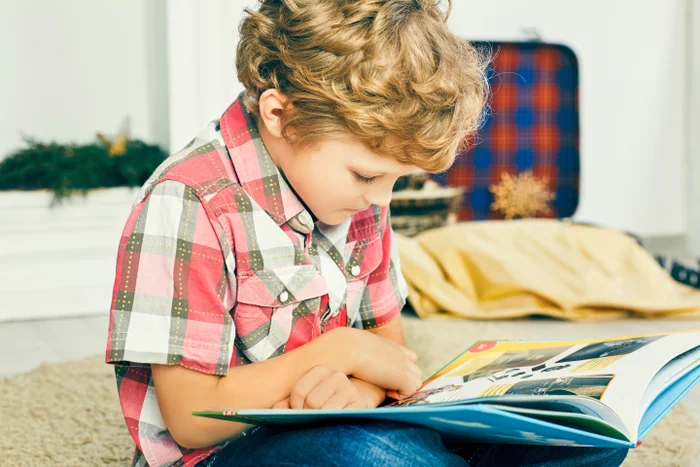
{"x": 380, "y": 197}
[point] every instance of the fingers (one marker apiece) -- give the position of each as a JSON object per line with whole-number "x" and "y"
{"x": 337, "y": 401}
{"x": 284, "y": 404}
{"x": 327, "y": 391}
{"x": 357, "y": 404}
{"x": 399, "y": 394}
{"x": 410, "y": 353}
{"x": 412, "y": 384}
{"x": 413, "y": 381}
{"x": 415, "y": 375}
{"x": 306, "y": 384}
{"x": 331, "y": 391}
{"x": 407, "y": 392}
{"x": 404, "y": 394}
{"x": 415, "y": 371}
{"x": 320, "y": 388}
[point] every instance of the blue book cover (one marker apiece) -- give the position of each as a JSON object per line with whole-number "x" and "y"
{"x": 587, "y": 392}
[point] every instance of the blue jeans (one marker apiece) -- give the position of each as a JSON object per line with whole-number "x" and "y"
{"x": 389, "y": 444}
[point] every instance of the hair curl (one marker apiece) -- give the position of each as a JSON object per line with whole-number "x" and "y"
{"x": 387, "y": 72}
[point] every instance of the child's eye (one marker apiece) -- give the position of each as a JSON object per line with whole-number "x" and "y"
{"x": 363, "y": 179}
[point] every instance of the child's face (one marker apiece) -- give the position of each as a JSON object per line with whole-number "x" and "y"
{"x": 338, "y": 177}
{"x": 335, "y": 177}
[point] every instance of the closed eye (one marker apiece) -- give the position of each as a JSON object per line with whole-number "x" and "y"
{"x": 363, "y": 179}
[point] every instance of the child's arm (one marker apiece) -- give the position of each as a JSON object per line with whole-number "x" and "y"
{"x": 386, "y": 282}
{"x": 393, "y": 330}
{"x": 350, "y": 351}
{"x": 181, "y": 391}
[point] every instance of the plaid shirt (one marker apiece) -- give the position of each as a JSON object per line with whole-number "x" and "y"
{"x": 220, "y": 265}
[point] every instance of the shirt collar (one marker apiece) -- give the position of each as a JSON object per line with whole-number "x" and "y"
{"x": 256, "y": 171}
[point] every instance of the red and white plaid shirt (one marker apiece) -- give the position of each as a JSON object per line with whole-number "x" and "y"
{"x": 220, "y": 265}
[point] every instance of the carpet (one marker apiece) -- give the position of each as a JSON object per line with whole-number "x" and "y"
{"x": 67, "y": 414}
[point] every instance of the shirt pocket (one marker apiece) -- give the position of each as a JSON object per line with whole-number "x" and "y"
{"x": 275, "y": 304}
{"x": 363, "y": 262}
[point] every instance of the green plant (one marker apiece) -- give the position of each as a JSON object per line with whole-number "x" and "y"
{"x": 78, "y": 168}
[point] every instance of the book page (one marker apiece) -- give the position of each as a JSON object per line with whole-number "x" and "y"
{"x": 669, "y": 374}
{"x": 615, "y": 371}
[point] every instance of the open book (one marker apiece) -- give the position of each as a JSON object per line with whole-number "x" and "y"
{"x": 592, "y": 392}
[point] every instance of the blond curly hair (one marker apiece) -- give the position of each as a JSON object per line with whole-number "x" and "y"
{"x": 387, "y": 72}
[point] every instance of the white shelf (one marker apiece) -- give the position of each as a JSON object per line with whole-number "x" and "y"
{"x": 59, "y": 261}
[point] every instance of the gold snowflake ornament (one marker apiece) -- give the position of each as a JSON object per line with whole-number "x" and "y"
{"x": 521, "y": 196}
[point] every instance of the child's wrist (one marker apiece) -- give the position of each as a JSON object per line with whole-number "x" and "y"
{"x": 339, "y": 349}
{"x": 342, "y": 345}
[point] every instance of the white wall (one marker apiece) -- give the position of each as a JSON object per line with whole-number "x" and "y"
{"x": 71, "y": 68}
{"x": 693, "y": 178}
{"x": 633, "y": 71}
{"x": 74, "y": 67}
{"x": 79, "y": 66}
{"x": 202, "y": 39}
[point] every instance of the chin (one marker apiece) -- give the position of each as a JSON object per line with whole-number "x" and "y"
{"x": 334, "y": 218}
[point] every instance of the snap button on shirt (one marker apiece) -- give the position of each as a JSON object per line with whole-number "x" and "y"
{"x": 304, "y": 217}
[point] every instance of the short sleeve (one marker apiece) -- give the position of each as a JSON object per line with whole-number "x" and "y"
{"x": 386, "y": 291}
{"x": 171, "y": 292}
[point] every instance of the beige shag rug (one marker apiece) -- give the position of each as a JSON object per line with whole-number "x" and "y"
{"x": 68, "y": 414}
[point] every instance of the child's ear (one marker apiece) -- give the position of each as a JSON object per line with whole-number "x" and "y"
{"x": 271, "y": 106}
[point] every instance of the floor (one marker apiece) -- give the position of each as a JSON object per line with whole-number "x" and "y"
{"x": 23, "y": 345}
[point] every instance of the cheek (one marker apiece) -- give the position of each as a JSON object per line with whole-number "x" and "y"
{"x": 324, "y": 190}
{"x": 338, "y": 192}
{"x": 337, "y": 183}
{"x": 329, "y": 185}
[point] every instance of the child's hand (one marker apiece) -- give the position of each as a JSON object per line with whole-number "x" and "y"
{"x": 385, "y": 363}
{"x": 323, "y": 388}
{"x": 392, "y": 394}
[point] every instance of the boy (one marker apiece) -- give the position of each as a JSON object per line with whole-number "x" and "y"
{"x": 258, "y": 267}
